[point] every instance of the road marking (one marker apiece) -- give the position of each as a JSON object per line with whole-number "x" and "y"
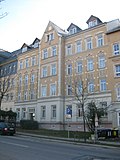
{"x": 15, "y": 144}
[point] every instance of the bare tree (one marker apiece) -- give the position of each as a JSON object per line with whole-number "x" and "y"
{"x": 2, "y": 15}
{"x": 6, "y": 85}
{"x": 79, "y": 91}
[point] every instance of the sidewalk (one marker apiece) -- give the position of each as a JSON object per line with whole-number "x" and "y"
{"x": 72, "y": 140}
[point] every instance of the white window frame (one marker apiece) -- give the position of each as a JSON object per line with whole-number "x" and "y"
{"x": 69, "y": 69}
{"x": 69, "y": 90}
{"x": 69, "y": 49}
{"x": 43, "y": 111}
{"x": 117, "y": 70}
{"x": 53, "y": 89}
{"x": 79, "y": 67}
{"x": 32, "y": 78}
{"x": 103, "y": 85}
{"x": 26, "y": 62}
{"x": 100, "y": 40}
{"x": 101, "y": 61}
{"x": 53, "y": 111}
{"x": 45, "y": 54}
{"x": 90, "y": 65}
{"x": 44, "y": 71}
{"x": 116, "y": 49}
{"x": 54, "y": 51}
{"x": 78, "y": 47}
{"x": 91, "y": 87}
{"x": 26, "y": 79}
{"x": 21, "y": 65}
{"x": 43, "y": 91}
{"x": 89, "y": 43}
{"x": 53, "y": 69}
{"x": 33, "y": 60}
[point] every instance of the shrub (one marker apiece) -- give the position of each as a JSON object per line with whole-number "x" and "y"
{"x": 29, "y": 124}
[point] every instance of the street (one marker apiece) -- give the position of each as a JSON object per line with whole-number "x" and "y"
{"x": 31, "y": 148}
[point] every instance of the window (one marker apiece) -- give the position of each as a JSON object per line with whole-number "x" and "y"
{"x": 69, "y": 110}
{"x": 78, "y": 47}
{"x": 69, "y": 69}
{"x": 45, "y": 54}
{"x": 92, "y": 23}
{"x": 90, "y": 66}
{"x": 118, "y": 118}
{"x": 116, "y": 49}
{"x": 14, "y": 68}
{"x": 117, "y": 70}
{"x": 91, "y": 87}
{"x": 43, "y": 91}
{"x": 21, "y": 65}
{"x": 53, "y": 111}
{"x": 69, "y": 50}
{"x": 103, "y": 86}
{"x": 32, "y": 94}
{"x": 9, "y": 69}
{"x": 53, "y": 69}
{"x": 79, "y": 111}
{"x": 89, "y": 43}
{"x": 32, "y": 78}
{"x": 26, "y": 79}
{"x": 24, "y": 49}
{"x": 19, "y": 96}
{"x": 25, "y": 95}
{"x": 79, "y": 67}
{"x": 20, "y": 80}
{"x": 69, "y": 90}
{"x": 99, "y": 40}
{"x": 101, "y": 61}
{"x": 79, "y": 88}
{"x": 53, "y": 89}
{"x": 26, "y": 63}
{"x": 33, "y": 61}
{"x": 118, "y": 93}
{"x": 13, "y": 82}
{"x": 72, "y": 30}
{"x": 50, "y": 37}
{"x": 43, "y": 111}
{"x": 54, "y": 52}
{"x": 44, "y": 72}
{"x": 18, "y": 113}
{"x": 23, "y": 113}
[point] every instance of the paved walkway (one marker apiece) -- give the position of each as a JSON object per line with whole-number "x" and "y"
{"x": 72, "y": 140}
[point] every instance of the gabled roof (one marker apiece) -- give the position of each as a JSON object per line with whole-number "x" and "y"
{"x": 24, "y": 45}
{"x": 93, "y": 17}
{"x": 57, "y": 29}
{"x": 4, "y": 53}
{"x": 35, "y": 41}
{"x": 73, "y": 25}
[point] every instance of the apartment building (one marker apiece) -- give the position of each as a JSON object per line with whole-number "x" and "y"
{"x": 47, "y": 70}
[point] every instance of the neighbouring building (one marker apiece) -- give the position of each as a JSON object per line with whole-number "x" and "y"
{"x": 46, "y": 70}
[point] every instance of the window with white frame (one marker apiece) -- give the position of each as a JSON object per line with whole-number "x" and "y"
{"x": 32, "y": 78}
{"x": 118, "y": 118}
{"x": 117, "y": 70}
{"x": 43, "y": 111}
{"x": 118, "y": 92}
{"x": 79, "y": 67}
{"x": 53, "y": 69}
{"x": 69, "y": 89}
{"x": 103, "y": 85}
{"x": 23, "y": 113}
{"x": 116, "y": 49}
{"x": 92, "y": 23}
{"x": 20, "y": 80}
{"x": 50, "y": 37}
{"x": 91, "y": 87}
{"x": 45, "y": 54}
{"x": 25, "y": 95}
{"x": 72, "y": 31}
{"x": 53, "y": 89}
{"x": 21, "y": 64}
{"x": 54, "y": 51}
{"x": 90, "y": 65}
{"x": 19, "y": 96}
{"x": 26, "y": 79}
{"x": 100, "y": 40}
{"x": 32, "y": 94}
{"x": 69, "y": 49}
{"x": 14, "y": 68}
{"x": 89, "y": 43}
{"x": 53, "y": 111}
{"x": 79, "y": 88}
{"x": 26, "y": 62}
{"x": 101, "y": 61}
{"x": 44, "y": 71}
{"x": 33, "y": 60}
{"x": 78, "y": 47}
{"x": 18, "y": 114}
{"x": 69, "y": 69}
{"x": 43, "y": 91}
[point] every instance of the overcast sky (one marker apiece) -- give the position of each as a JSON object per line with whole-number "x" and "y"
{"x": 28, "y": 19}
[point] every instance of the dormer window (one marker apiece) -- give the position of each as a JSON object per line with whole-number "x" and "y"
{"x": 72, "y": 30}
{"x": 35, "y": 45}
{"x": 92, "y": 23}
{"x": 24, "y": 49}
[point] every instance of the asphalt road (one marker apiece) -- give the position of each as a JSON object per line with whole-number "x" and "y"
{"x": 29, "y": 148}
